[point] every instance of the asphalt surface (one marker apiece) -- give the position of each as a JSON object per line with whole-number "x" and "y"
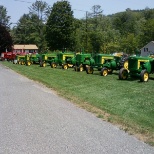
{"x": 34, "y": 120}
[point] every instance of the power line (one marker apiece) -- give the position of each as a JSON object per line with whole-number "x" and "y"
{"x": 23, "y": 1}
{"x": 36, "y": 0}
{"x": 79, "y": 10}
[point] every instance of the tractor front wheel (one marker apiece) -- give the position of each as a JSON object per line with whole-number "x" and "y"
{"x": 65, "y": 66}
{"x": 81, "y": 68}
{"x": 89, "y": 70}
{"x": 22, "y": 63}
{"x": 144, "y": 76}
{"x": 104, "y": 71}
{"x": 28, "y": 63}
{"x": 44, "y": 64}
{"x": 123, "y": 74}
{"x": 53, "y": 65}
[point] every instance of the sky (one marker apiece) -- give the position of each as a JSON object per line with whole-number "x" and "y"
{"x": 16, "y": 8}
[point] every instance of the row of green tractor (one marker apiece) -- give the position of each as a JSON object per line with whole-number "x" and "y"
{"x": 128, "y": 66}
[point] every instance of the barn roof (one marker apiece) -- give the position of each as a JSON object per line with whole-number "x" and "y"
{"x": 25, "y": 46}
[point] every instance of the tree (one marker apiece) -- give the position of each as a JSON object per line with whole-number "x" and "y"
{"x": 147, "y": 32}
{"x": 41, "y": 9}
{"x": 30, "y": 30}
{"x": 4, "y": 19}
{"x": 148, "y": 13}
{"x": 60, "y": 29}
{"x": 31, "y": 27}
{"x": 96, "y": 14}
{"x": 5, "y": 39}
{"x": 129, "y": 44}
{"x": 125, "y": 22}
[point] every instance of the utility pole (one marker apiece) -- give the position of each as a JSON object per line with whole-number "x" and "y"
{"x": 86, "y": 30}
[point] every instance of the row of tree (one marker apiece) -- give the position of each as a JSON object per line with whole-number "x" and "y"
{"x": 55, "y": 28}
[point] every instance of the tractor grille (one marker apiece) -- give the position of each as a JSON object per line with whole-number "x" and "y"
{"x": 132, "y": 64}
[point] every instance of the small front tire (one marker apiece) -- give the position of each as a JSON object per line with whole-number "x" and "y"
{"x": 65, "y": 66}
{"x": 28, "y": 63}
{"x": 53, "y": 65}
{"x": 89, "y": 70}
{"x": 144, "y": 76}
{"x": 104, "y": 71}
{"x": 81, "y": 68}
{"x": 44, "y": 64}
{"x": 123, "y": 74}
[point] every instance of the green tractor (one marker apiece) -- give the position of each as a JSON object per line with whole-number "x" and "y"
{"x": 114, "y": 62}
{"x": 47, "y": 58}
{"x": 32, "y": 59}
{"x": 27, "y": 60}
{"x": 19, "y": 59}
{"x": 81, "y": 61}
{"x": 64, "y": 59}
{"x": 97, "y": 62}
{"x": 35, "y": 58}
{"x": 139, "y": 67}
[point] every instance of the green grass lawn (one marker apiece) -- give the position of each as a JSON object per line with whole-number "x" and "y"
{"x": 129, "y": 104}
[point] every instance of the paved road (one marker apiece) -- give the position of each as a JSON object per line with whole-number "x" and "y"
{"x": 34, "y": 120}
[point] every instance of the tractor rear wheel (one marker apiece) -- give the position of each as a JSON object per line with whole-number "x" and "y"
{"x": 65, "y": 66}
{"x": 104, "y": 71}
{"x": 89, "y": 70}
{"x": 125, "y": 64}
{"x": 53, "y": 65}
{"x": 144, "y": 76}
{"x": 123, "y": 74}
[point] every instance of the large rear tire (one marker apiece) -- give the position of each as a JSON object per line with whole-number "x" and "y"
{"x": 144, "y": 76}
{"x": 125, "y": 64}
{"x": 123, "y": 74}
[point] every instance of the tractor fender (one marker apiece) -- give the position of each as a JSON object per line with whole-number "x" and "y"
{"x": 147, "y": 66}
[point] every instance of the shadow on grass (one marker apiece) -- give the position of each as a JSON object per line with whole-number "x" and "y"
{"x": 129, "y": 79}
{"x": 151, "y": 78}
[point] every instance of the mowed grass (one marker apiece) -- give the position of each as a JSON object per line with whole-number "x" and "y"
{"x": 128, "y": 104}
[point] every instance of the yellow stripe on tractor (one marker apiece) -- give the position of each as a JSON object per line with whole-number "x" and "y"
{"x": 139, "y": 62}
{"x": 103, "y": 59}
{"x": 64, "y": 56}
